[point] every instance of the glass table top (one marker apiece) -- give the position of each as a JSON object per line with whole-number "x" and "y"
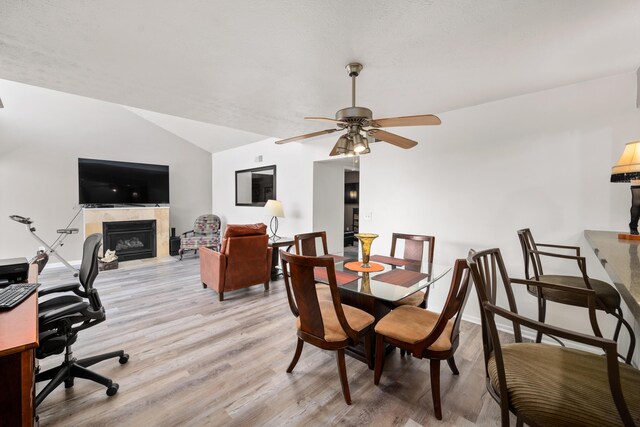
{"x": 392, "y": 283}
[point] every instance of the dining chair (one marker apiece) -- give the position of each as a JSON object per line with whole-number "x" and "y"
{"x": 545, "y": 384}
{"x": 425, "y": 334}
{"x": 327, "y": 324}
{"x": 414, "y": 251}
{"x": 306, "y": 244}
{"x": 607, "y": 298}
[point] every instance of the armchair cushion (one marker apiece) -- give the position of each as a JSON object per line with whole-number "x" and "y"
{"x": 357, "y": 319}
{"x": 237, "y": 230}
{"x": 412, "y": 324}
{"x": 552, "y": 385}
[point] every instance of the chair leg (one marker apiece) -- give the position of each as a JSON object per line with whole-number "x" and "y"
{"x": 58, "y": 379}
{"x": 342, "y": 369}
{"x": 632, "y": 335}
{"x": 402, "y": 352}
{"x": 181, "y": 252}
{"x": 379, "y": 359}
{"x": 434, "y": 365}
{"x": 296, "y": 356}
{"x": 452, "y": 365}
{"x": 78, "y": 371}
{"x": 266, "y": 285}
{"x": 220, "y": 296}
{"x": 90, "y": 361}
{"x": 542, "y": 313}
{"x": 204, "y": 285}
{"x": 519, "y": 422}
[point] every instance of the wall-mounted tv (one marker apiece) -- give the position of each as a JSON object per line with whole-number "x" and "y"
{"x": 111, "y": 182}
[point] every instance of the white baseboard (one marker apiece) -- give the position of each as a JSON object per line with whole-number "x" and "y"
{"x": 54, "y": 265}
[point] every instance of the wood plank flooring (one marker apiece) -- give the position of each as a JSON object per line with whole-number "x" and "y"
{"x": 197, "y": 361}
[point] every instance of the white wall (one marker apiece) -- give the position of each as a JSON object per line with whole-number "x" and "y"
{"x": 42, "y": 134}
{"x": 541, "y": 160}
{"x": 328, "y": 202}
{"x": 294, "y": 182}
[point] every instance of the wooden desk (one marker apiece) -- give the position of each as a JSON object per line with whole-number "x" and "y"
{"x": 18, "y": 340}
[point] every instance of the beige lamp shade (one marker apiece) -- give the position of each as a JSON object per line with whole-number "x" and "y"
{"x": 628, "y": 167}
{"x": 274, "y": 207}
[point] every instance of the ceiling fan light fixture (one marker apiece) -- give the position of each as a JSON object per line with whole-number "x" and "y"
{"x": 342, "y": 145}
{"x": 359, "y": 143}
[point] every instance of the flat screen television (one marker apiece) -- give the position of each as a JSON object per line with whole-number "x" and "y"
{"x": 111, "y": 182}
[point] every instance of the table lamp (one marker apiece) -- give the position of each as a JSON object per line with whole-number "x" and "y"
{"x": 274, "y": 207}
{"x": 628, "y": 170}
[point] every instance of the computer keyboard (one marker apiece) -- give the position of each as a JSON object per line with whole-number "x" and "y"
{"x": 12, "y": 295}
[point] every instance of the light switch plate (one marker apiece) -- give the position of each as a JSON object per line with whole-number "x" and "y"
{"x": 367, "y": 216}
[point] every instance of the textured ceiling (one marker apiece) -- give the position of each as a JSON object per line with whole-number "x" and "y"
{"x": 260, "y": 66}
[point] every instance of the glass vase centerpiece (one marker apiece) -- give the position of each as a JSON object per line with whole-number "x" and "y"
{"x": 365, "y": 241}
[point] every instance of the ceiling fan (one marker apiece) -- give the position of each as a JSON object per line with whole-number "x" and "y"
{"x": 359, "y": 124}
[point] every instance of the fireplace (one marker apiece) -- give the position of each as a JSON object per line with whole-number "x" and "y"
{"x": 130, "y": 239}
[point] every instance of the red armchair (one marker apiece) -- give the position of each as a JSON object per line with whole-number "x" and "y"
{"x": 244, "y": 260}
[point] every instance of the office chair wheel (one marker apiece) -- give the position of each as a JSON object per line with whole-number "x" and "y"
{"x": 112, "y": 389}
{"x": 123, "y": 359}
{"x": 68, "y": 383}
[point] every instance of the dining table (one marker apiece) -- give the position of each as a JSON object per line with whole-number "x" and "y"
{"x": 377, "y": 292}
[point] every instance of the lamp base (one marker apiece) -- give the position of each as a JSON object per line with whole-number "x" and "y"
{"x": 628, "y": 236}
{"x": 274, "y": 230}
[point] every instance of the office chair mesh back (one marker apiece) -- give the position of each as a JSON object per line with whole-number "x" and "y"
{"x": 89, "y": 268}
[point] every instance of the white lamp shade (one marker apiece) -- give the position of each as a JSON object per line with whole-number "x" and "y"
{"x": 628, "y": 167}
{"x": 274, "y": 207}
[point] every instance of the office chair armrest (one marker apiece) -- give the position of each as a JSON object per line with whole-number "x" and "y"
{"x": 186, "y": 233}
{"x": 69, "y": 287}
{"x": 547, "y": 245}
{"x": 46, "y": 319}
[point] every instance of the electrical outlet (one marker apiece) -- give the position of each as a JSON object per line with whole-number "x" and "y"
{"x": 367, "y": 216}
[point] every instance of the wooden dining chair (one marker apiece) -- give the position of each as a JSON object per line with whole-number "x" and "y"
{"x": 425, "y": 334}
{"x": 327, "y": 324}
{"x": 544, "y": 384}
{"x": 306, "y": 244}
{"x": 414, "y": 251}
{"x": 607, "y": 297}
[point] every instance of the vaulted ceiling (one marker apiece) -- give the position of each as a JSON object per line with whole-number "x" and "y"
{"x": 261, "y": 66}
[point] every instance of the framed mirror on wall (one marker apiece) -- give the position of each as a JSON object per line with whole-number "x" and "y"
{"x": 255, "y": 186}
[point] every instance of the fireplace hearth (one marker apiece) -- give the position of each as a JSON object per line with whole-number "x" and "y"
{"x": 130, "y": 239}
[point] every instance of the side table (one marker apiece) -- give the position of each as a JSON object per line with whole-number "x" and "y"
{"x": 276, "y": 244}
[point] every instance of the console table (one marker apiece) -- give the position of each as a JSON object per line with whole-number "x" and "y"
{"x": 276, "y": 244}
{"x": 621, "y": 260}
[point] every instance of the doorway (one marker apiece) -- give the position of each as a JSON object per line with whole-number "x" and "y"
{"x": 351, "y": 211}
{"x": 333, "y": 206}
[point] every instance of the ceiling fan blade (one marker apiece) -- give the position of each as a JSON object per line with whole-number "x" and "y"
{"x": 392, "y": 138}
{"x": 423, "y": 120}
{"x": 306, "y": 136}
{"x": 324, "y": 119}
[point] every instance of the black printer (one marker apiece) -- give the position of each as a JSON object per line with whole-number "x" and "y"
{"x": 13, "y": 270}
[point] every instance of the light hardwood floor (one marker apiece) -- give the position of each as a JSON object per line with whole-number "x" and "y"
{"x": 197, "y": 361}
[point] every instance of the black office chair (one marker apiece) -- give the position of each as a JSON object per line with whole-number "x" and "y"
{"x": 62, "y": 317}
